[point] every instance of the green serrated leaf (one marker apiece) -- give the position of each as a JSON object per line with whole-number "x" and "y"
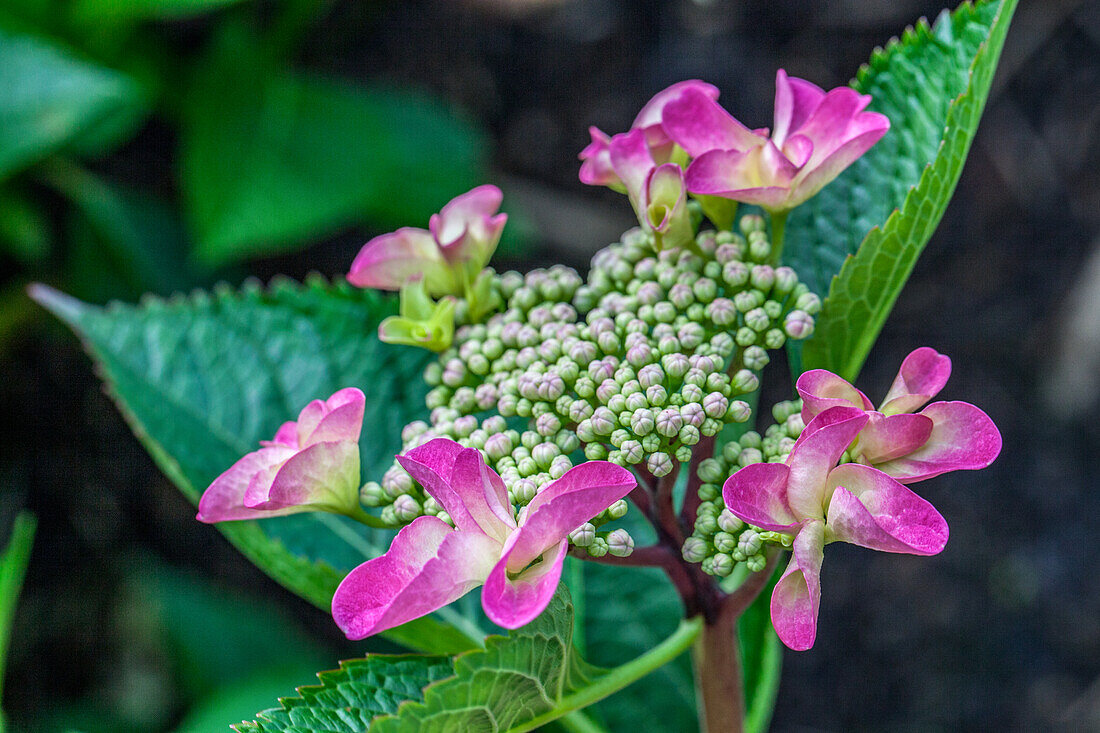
{"x": 203, "y": 379}
{"x": 932, "y": 84}
{"x": 272, "y": 158}
{"x": 349, "y": 698}
{"x": 52, "y": 99}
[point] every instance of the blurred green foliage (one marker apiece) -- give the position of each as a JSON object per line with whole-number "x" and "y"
{"x": 147, "y": 145}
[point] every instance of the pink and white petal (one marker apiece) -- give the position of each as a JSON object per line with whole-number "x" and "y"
{"x": 963, "y": 438}
{"x": 758, "y": 494}
{"x": 565, "y": 504}
{"x": 835, "y": 120}
{"x": 664, "y": 195}
{"x": 819, "y": 170}
{"x": 388, "y": 260}
{"x": 651, "y": 113}
{"x": 886, "y": 437}
{"x": 463, "y": 213}
{"x": 286, "y": 435}
{"x": 632, "y": 161}
{"x": 512, "y": 602}
{"x": 596, "y": 167}
{"x": 872, "y": 510}
{"x": 324, "y": 477}
{"x": 795, "y": 101}
{"x": 483, "y": 494}
{"x": 821, "y": 389}
{"x": 923, "y": 373}
{"x": 797, "y": 595}
{"x": 429, "y": 565}
{"x": 698, "y": 124}
{"x": 814, "y": 455}
{"x": 798, "y": 149}
{"x": 431, "y": 465}
{"x": 343, "y": 419}
{"x": 760, "y": 176}
{"x": 223, "y": 500}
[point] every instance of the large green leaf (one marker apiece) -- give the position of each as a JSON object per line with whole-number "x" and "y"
{"x": 349, "y": 698}
{"x": 932, "y": 84}
{"x": 202, "y": 379}
{"x": 51, "y": 99}
{"x": 272, "y": 159}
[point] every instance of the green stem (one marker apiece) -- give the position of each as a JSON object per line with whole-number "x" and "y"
{"x": 13, "y": 566}
{"x": 779, "y": 230}
{"x": 361, "y": 516}
{"x": 623, "y": 675}
{"x": 578, "y": 722}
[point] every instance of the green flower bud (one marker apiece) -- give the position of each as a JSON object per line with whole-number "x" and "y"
{"x": 757, "y": 320}
{"x": 389, "y": 516}
{"x": 696, "y": 312}
{"x": 774, "y": 338}
{"x": 709, "y": 492}
{"x": 798, "y": 324}
{"x": 689, "y": 435}
{"x": 598, "y": 547}
{"x": 617, "y": 403}
{"x": 721, "y": 565}
{"x": 694, "y": 549}
{"x": 583, "y": 535}
{"x": 651, "y": 443}
{"x": 725, "y": 542}
{"x": 618, "y": 510}
{"x": 618, "y": 437}
{"x": 745, "y": 337}
{"x": 668, "y": 422}
{"x": 406, "y": 508}
{"x": 659, "y": 464}
{"x": 524, "y": 490}
{"x": 691, "y": 393}
{"x": 710, "y": 427}
{"x": 744, "y": 382}
{"x": 749, "y": 456}
{"x": 372, "y": 494}
{"x": 620, "y": 543}
{"x": 705, "y": 524}
{"x": 675, "y": 365}
{"x": 755, "y": 358}
{"x": 527, "y": 466}
{"x": 735, "y": 274}
{"x": 728, "y": 522}
{"x": 595, "y": 451}
{"x": 711, "y": 470}
{"x": 760, "y": 249}
{"x": 773, "y": 308}
{"x": 808, "y": 302}
{"x": 664, "y": 312}
{"x": 762, "y": 277}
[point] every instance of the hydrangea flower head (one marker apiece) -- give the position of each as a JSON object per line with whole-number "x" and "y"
{"x": 817, "y": 502}
{"x": 458, "y": 243}
{"x": 518, "y": 558}
{"x": 311, "y": 464}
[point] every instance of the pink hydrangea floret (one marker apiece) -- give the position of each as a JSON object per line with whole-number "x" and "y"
{"x": 817, "y": 502}
{"x": 458, "y": 243}
{"x": 518, "y": 558}
{"x": 311, "y": 464}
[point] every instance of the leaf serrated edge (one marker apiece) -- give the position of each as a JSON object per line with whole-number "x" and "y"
{"x": 851, "y": 370}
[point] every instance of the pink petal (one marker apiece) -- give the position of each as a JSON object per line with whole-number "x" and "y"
{"x": 698, "y": 124}
{"x": 596, "y": 169}
{"x": 343, "y": 420}
{"x": 963, "y": 438}
{"x": 387, "y": 261}
{"x": 651, "y": 113}
{"x": 797, "y": 595}
{"x": 428, "y": 566}
{"x": 815, "y": 453}
{"x": 820, "y": 390}
{"x": 469, "y": 211}
{"x": 889, "y": 436}
{"x": 820, "y": 170}
{"x": 565, "y": 504}
{"x": 287, "y": 435}
{"x": 324, "y": 476}
{"x": 758, "y": 494}
{"x": 870, "y": 509}
{"x": 224, "y": 499}
{"x": 836, "y": 120}
{"x": 484, "y": 494}
{"x": 760, "y": 175}
{"x": 664, "y": 196}
{"x": 434, "y": 465}
{"x": 922, "y": 375}
{"x": 632, "y": 161}
{"x": 512, "y": 602}
{"x": 795, "y": 101}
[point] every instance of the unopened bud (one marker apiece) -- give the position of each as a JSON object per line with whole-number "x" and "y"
{"x": 583, "y": 535}
{"x": 620, "y": 543}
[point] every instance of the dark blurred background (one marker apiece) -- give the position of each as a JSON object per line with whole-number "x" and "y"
{"x": 132, "y": 609}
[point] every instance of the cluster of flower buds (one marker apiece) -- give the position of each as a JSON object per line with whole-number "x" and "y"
{"x": 720, "y": 540}
{"x": 636, "y": 365}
